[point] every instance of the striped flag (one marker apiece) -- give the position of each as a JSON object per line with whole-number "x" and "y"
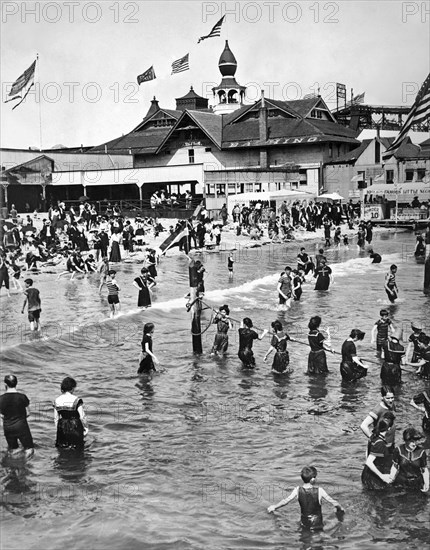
{"x": 175, "y": 238}
{"x": 419, "y": 113}
{"x": 22, "y": 85}
{"x": 147, "y": 75}
{"x": 359, "y": 98}
{"x": 180, "y": 233}
{"x": 181, "y": 64}
{"x": 216, "y": 31}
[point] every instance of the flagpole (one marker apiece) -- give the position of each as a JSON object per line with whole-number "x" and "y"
{"x": 40, "y": 102}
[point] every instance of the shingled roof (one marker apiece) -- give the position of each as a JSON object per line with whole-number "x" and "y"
{"x": 246, "y": 133}
{"x": 209, "y": 123}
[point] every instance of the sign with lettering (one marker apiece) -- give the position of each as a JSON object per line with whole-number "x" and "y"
{"x": 276, "y": 141}
{"x": 373, "y": 212}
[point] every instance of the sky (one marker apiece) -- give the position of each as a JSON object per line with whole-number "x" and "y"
{"x": 90, "y": 54}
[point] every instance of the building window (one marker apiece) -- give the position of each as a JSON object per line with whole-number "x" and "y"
{"x": 409, "y": 175}
{"x": 390, "y": 176}
{"x": 208, "y": 149}
{"x": 330, "y": 150}
{"x": 190, "y": 156}
{"x": 338, "y": 150}
{"x": 167, "y": 152}
{"x": 421, "y": 174}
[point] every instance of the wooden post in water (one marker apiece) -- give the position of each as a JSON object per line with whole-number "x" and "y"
{"x": 195, "y": 306}
{"x": 427, "y": 264}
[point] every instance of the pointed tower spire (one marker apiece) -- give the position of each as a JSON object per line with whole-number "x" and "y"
{"x": 229, "y": 94}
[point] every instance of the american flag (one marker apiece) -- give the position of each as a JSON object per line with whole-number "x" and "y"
{"x": 420, "y": 111}
{"x": 216, "y": 31}
{"x": 181, "y": 64}
{"x": 22, "y": 85}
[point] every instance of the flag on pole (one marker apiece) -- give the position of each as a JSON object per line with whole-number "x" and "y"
{"x": 180, "y": 232}
{"x": 359, "y": 98}
{"x": 216, "y": 31}
{"x": 147, "y": 75}
{"x": 419, "y": 113}
{"x": 175, "y": 238}
{"x": 22, "y": 85}
{"x": 181, "y": 64}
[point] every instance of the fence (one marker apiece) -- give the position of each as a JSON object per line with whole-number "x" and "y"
{"x": 140, "y": 208}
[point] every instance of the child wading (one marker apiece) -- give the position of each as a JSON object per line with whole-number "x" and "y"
{"x": 113, "y": 293}
{"x": 32, "y": 298}
{"x": 380, "y": 330}
{"x": 310, "y": 500}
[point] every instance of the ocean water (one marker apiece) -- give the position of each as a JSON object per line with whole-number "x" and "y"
{"x": 192, "y": 456}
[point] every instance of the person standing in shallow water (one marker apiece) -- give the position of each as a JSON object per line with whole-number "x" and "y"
{"x": 246, "y": 338}
{"x": 317, "y": 360}
{"x": 281, "y": 359}
{"x": 147, "y": 360}
{"x": 351, "y": 367}
{"x": 32, "y": 299}
{"x": 144, "y": 283}
{"x": 14, "y": 410}
{"x": 323, "y": 275}
{"x": 370, "y": 423}
{"x": 223, "y": 324}
{"x": 409, "y": 468}
{"x": 376, "y": 472}
{"x": 69, "y": 417}
{"x": 390, "y": 284}
{"x": 310, "y": 499}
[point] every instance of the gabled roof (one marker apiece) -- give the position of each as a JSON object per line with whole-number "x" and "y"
{"x": 240, "y": 113}
{"x": 425, "y": 144}
{"x": 246, "y": 133}
{"x": 352, "y": 156}
{"x": 304, "y": 107}
{"x": 171, "y": 113}
{"x": 208, "y": 123}
{"x": 409, "y": 150}
{"x": 386, "y": 141}
{"x": 191, "y": 95}
{"x": 140, "y": 139}
{"x": 28, "y": 165}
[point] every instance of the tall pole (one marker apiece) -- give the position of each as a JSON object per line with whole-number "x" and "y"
{"x": 427, "y": 263}
{"x": 195, "y": 304}
{"x": 40, "y": 102}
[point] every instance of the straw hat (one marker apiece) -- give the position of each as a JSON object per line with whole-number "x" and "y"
{"x": 417, "y": 325}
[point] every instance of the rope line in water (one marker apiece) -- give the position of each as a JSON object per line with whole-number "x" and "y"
{"x": 215, "y": 311}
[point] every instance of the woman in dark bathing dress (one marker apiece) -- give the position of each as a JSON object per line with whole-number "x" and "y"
{"x": 246, "y": 338}
{"x": 409, "y": 469}
{"x": 69, "y": 417}
{"x": 147, "y": 360}
{"x": 144, "y": 283}
{"x": 281, "y": 360}
{"x": 351, "y": 367}
{"x": 376, "y": 472}
{"x": 317, "y": 360}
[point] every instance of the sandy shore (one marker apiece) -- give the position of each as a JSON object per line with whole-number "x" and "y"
{"x": 230, "y": 241}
